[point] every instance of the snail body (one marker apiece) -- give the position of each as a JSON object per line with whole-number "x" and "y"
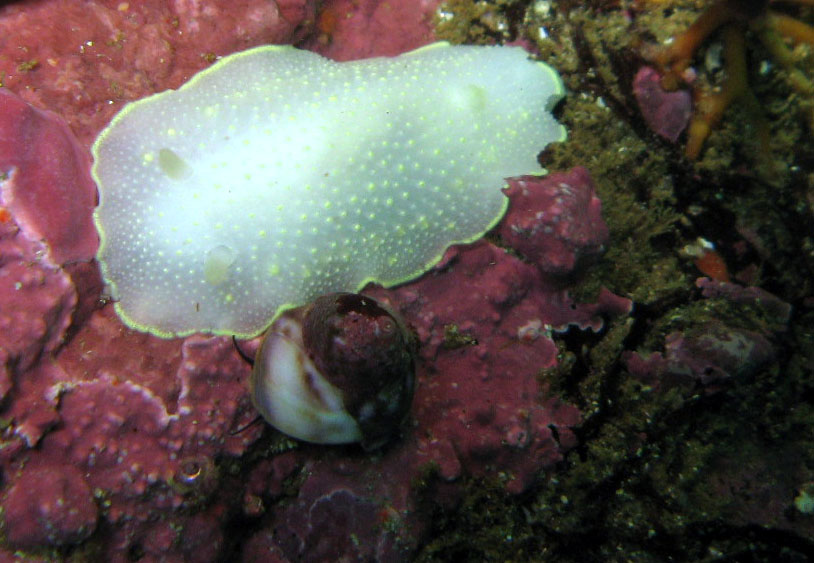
{"x": 336, "y": 371}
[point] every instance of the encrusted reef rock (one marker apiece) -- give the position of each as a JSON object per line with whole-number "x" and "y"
{"x": 49, "y": 506}
{"x": 354, "y": 29}
{"x": 138, "y": 448}
{"x": 45, "y": 180}
{"x": 709, "y": 351}
{"x": 81, "y": 60}
{"x": 555, "y": 221}
{"x": 666, "y": 113}
{"x": 480, "y": 410}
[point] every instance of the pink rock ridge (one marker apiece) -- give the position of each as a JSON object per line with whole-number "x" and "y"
{"x": 708, "y": 355}
{"x": 45, "y": 181}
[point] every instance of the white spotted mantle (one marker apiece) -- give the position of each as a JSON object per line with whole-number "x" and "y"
{"x": 277, "y": 175}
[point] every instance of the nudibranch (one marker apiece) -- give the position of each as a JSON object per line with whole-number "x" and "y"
{"x": 277, "y": 175}
{"x": 336, "y": 371}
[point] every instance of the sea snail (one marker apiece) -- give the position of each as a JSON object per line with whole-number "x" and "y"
{"x": 339, "y": 370}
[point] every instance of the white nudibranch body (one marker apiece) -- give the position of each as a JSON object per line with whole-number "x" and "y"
{"x": 278, "y": 175}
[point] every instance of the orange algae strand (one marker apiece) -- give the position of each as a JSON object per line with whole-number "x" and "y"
{"x": 711, "y": 107}
{"x": 677, "y": 56}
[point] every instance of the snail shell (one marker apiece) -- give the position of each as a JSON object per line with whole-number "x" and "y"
{"x": 339, "y": 370}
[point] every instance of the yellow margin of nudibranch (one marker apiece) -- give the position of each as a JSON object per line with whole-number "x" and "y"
{"x": 555, "y": 97}
{"x": 429, "y": 47}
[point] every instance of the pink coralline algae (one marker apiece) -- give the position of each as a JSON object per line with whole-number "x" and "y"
{"x": 45, "y": 180}
{"x": 710, "y": 352}
{"x": 49, "y": 506}
{"x": 666, "y": 113}
{"x": 480, "y": 410}
{"x": 147, "y": 428}
{"x": 555, "y": 221}
{"x": 144, "y": 421}
{"x": 361, "y": 29}
{"x": 141, "y": 448}
{"x": 83, "y": 60}
{"x": 35, "y": 298}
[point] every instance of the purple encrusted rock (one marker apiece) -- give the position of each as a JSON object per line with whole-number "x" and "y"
{"x": 49, "y": 505}
{"x": 555, "y": 221}
{"x": 710, "y": 354}
{"x": 666, "y": 113}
